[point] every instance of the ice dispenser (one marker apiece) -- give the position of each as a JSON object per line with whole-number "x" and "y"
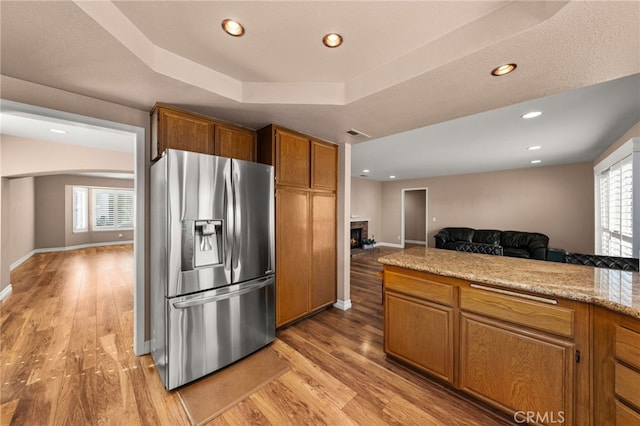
{"x": 202, "y": 243}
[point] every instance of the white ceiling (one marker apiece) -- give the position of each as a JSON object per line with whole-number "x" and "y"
{"x": 432, "y": 68}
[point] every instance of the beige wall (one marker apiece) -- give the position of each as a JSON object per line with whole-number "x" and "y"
{"x": 53, "y": 219}
{"x": 366, "y": 196}
{"x": 22, "y": 156}
{"x": 556, "y": 201}
{"x": 21, "y": 218}
{"x": 415, "y": 215}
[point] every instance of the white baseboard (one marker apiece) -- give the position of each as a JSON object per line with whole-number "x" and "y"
{"x": 422, "y": 243}
{"x": 343, "y": 305}
{"x": 20, "y": 261}
{"x": 26, "y": 257}
{"x": 390, "y": 245}
{"x": 5, "y": 292}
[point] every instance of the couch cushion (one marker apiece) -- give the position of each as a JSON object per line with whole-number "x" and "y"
{"x": 460, "y": 234}
{"x": 525, "y": 240}
{"x": 487, "y": 236}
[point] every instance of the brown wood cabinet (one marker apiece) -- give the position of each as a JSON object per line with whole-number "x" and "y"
{"x": 234, "y": 142}
{"x": 419, "y": 321}
{"x": 306, "y": 234}
{"x": 322, "y": 291}
{"x": 616, "y": 368}
{"x": 292, "y": 254}
{"x": 179, "y": 130}
{"x": 515, "y": 351}
{"x": 174, "y": 128}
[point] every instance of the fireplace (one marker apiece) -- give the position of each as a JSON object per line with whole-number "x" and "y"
{"x": 359, "y": 231}
{"x": 356, "y": 238}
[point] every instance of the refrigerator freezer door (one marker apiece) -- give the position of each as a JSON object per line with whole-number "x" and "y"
{"x": 253, "y": 243}
{"x": 212, "y": 329}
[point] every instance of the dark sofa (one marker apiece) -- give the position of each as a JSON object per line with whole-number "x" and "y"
{"x": 529, "y": 245}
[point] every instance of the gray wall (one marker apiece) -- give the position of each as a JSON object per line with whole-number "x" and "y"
{"x": 556, "y": 201}
{"x": 53, "y": 218}
{"x": 365, "y": 201}
{"x": 21, "y": 218}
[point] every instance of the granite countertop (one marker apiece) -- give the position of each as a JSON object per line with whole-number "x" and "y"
{"x": 613, "y": 289}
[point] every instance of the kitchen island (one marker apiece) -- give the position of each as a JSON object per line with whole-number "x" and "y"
{"x": 542, "y": 341}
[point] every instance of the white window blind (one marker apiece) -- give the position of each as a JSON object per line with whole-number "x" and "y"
{"x": 616, "y": 209}
{"x": 112, "y": 209}
{"x": 80, "y": 209}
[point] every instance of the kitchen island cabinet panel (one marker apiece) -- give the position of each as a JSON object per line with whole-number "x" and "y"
{"x": 420, "y": 334}
{"x": 515, "y": 370}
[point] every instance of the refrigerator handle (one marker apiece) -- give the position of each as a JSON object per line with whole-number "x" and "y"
{"x": 229, "y": 203}
{"x": 227, "y": 295}
{"x": 237, "y": 220}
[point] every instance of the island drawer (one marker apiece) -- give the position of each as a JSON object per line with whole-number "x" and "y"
{"x": 419, "y": 285}
{"x": 537, "y": 312}
{"x": 627, "y": 385}
{"x": 625, "y": 416}
{"x": 627, "y": 346}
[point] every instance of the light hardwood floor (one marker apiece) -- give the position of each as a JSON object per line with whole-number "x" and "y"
{"x": 67, "y": 359}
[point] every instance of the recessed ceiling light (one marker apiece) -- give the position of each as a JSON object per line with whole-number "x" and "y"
{"x": 532, "y": 114}
{"x": 533, "y": 148}
{"x": 232, "y": 27}
{"x": 62, "y": 132}
{"x": 392, "y": 177}
{"x": 366, "y": 171}
{"x": 332, "y": 40}
{"x": 536, "y": 161}
{"x": 503, "y": 69}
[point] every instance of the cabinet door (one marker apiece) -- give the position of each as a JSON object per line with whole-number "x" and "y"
{"x": 233, "y": 142}
{"x": 516, "y": 370}
{"x": 419, "y": 333}
{"x": 323, "y": 253}
{"x": 292, "y": 159}
{"x": 183, "y": 131}
{"x": 324, "y": 165}
{"x": 292, "y": 254}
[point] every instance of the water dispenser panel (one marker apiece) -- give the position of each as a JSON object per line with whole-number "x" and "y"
{"x": 202, "y": 244}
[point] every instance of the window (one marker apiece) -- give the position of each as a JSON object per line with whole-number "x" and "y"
{"x": 616, "y": 209}
{"x": 112, "y": 209}
{"x": 80, "y": 209}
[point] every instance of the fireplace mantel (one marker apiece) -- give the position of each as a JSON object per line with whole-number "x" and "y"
{"x": 360, "y": 219}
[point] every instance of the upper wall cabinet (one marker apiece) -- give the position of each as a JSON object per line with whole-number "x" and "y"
{"x": 324, "y": 165}
{"x": 234, "y": 142}
{"x": 178, "y": 129}
{"x": 299, "y": 160}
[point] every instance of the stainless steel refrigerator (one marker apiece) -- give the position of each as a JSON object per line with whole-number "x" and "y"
{"x": 212, "y": 263}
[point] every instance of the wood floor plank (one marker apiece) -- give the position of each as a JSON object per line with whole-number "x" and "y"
{"x": 66, "y": 357}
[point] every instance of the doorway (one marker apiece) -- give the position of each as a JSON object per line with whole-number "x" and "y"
{"x": 415, "y": 226}
{"x": 140, "y": 346}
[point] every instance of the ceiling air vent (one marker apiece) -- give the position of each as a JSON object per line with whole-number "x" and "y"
{"x": 358, "y": 133}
